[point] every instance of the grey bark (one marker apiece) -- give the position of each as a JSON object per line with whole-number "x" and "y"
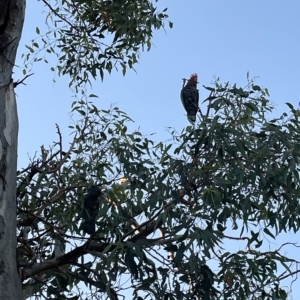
{"x": 11, "y": 24}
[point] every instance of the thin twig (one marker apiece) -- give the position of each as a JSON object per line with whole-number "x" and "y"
{"x": 22, "y": 81}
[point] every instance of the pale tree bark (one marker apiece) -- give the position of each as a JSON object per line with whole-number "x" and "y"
{"x": 11, "y": 23}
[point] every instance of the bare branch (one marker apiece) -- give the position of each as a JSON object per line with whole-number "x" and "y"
{"x": 22, "y": 81}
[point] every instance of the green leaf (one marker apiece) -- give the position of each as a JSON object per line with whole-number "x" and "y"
{"x": 289, "y": 105}
{"x": 93, "y": 96}
{"x": 268, "y": 232}
{"x": 256, "y": 88}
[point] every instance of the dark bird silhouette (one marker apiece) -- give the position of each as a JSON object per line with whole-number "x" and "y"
{"x": 90, "y": 209}
{"x": 205, "y": 285}
{"x": 190, "y": 97}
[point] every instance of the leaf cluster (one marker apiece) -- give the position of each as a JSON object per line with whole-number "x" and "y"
{"x": 90, "y": 37}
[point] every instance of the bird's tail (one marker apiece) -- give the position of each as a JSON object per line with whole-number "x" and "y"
{"x": 191, "y": 119}
{"x": 89, "y": 227}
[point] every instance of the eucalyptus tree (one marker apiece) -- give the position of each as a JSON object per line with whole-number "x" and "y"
{"x": 165, "y": 212}
{"x": 87, "y": 37}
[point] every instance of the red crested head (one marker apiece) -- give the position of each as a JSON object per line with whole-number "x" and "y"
{"x": 193, "y": 78}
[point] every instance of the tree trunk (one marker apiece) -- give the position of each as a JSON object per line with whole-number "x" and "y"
{"x": 11, "y": 24}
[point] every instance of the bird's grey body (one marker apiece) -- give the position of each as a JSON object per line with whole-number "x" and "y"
{"x": 91, "y": 207}
{"x": 190, "y": 98}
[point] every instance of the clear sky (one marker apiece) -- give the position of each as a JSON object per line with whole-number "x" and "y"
{"x": 213, "y": 38}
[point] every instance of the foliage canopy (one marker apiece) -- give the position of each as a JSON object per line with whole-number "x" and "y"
{"x": 167, "y": 210}
{"x": 232, "y": 177}
{"x": 91, "y": 36}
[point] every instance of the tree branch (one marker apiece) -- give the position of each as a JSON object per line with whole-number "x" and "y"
{"x": 68, "y": 258}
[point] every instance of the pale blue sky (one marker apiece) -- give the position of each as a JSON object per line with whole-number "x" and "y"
{"x": 213, "y": 38}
